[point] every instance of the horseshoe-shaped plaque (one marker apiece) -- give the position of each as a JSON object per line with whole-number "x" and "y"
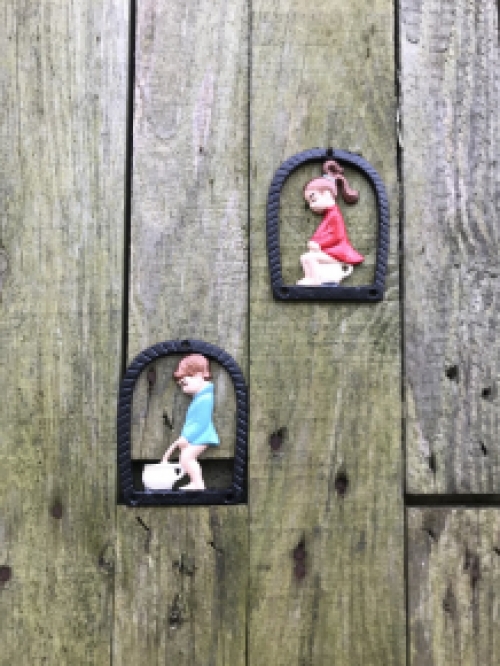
{"x": 236, "y": 493}
{"x": 325, "y": 248}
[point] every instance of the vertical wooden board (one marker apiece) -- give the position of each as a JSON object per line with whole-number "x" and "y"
{"x": 450, "y": 100}
{"x": 326, "y": 566}
{"x": 181, "y": 586}
{"x": 189, "y": 209}
{"x": 189, "y": 279}
{"x": 453, "y": 586}
{"x": 63, "y": 81}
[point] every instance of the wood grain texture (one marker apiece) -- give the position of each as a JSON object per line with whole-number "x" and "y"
{"x": 451, "y": 95}
{"x": 181, "y": 586}
{"x": 189, "y": 279}
{"x": 453, "y": 586}
{"x": 189, "y": 274}
{"x": 326, "y": 570}
{"x": 63, "y": 82}
{"x": 190, "y": 209}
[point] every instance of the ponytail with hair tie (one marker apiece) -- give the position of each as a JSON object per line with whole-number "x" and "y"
{"x": 333, "y": 171}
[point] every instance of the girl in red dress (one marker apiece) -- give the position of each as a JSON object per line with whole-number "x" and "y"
{"x": 330, "y": 257}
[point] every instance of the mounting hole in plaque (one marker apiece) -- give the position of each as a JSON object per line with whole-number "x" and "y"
{"x": 182, "y": 427}
{"x": 327, "y": 228}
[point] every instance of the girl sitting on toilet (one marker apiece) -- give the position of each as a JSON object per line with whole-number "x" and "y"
{"x": 330, "y": 257}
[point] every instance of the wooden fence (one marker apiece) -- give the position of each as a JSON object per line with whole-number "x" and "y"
{"x": 138, "y": 145}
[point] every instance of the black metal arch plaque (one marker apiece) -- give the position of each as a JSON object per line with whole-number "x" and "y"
{"x": 235, "y": 494}
{"x": 366, "y": 293}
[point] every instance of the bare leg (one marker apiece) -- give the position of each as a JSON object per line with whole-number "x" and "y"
{"x": 308, "y": 266}
{"x": 190, "y": 464}
{"x": 310, "y": 262}
{"x": 305, "y": 260}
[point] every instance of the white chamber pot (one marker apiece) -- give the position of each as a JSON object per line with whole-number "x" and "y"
{"x": 334, "y": 272}
{"x": 161, "y": 476}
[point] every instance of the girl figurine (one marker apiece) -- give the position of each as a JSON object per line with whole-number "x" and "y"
{"x": 331, "y": 256}
{"x": 198, "y": 432}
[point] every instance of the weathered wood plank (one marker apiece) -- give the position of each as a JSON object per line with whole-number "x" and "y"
{"x": 63, "y": 82}
{"x": 181, "y": 581}
{"x": 190, "y": 210}
{"x": 323, "y": 75}
{"x": 454, "y": 586}
{"x": 189, "y": 279}
{"x": 451, "y": 96}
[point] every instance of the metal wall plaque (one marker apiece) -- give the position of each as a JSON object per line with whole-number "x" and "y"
{"x": 330, "y": 257}
{"x": 236, "y": 492}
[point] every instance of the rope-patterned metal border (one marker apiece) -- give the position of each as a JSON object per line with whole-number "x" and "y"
{"x": 366, "y": 293}
{"x": 236, "y": 493}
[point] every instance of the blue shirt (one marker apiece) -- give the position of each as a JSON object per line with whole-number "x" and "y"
{"x": 198, "y": 427}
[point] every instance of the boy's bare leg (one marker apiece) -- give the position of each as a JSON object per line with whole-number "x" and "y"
{"x": 189, "y": 463}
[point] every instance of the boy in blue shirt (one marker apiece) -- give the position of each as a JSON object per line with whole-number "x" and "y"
{"x": 198, "y": 432}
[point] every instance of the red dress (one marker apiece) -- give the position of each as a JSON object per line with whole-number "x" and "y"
{"x": 332, "y": 238}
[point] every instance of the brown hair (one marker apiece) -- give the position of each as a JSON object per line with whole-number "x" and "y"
{"x": 332, "y": 174}
{"x": 192, "y": 364}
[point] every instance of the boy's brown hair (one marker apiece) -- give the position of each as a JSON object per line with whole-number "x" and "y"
{"x": 192, "y": 364}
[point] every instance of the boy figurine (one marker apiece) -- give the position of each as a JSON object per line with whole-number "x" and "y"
{"x": 198, "y": 432}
